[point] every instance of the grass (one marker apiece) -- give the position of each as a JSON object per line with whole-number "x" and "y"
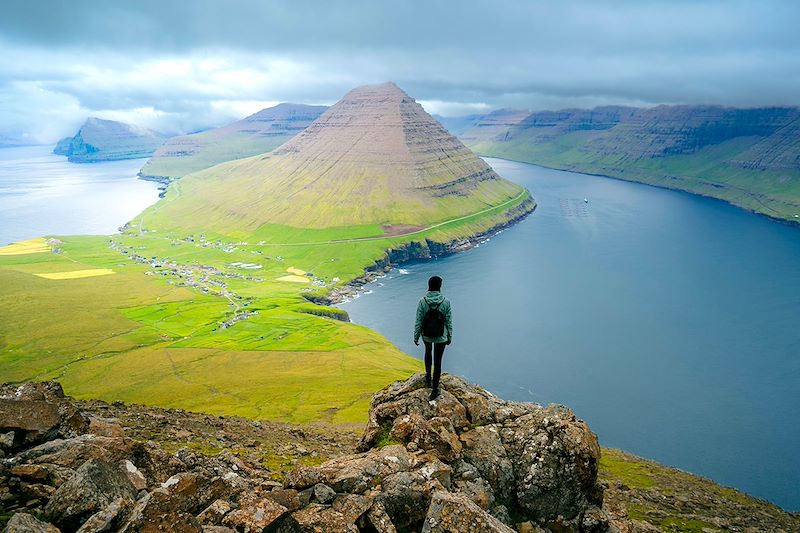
{"x": 155, "y": 332}
{"x": 706, "y": 172}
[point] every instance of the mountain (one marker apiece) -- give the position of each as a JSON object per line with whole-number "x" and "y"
{"x": 374, "y": 158}
{"x": 108, "y": 140}
{"x": 256, "y": 134}
{"x": 748, "y": 157}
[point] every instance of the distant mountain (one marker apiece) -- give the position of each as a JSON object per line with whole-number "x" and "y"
{"x": 748, "y": 157}
{"x": 376, "y": 157}
{"x": 108, "y": 140}
{"x": 256, "y": 134}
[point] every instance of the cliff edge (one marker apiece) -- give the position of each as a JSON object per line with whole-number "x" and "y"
{"x": 466, "y": 462}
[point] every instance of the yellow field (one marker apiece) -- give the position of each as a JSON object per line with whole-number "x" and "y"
{"x": 32, "y": 246}
{"x": 296, "y": 271}
{"x": 76, "y": 274}
{"x": 294, "y": 279}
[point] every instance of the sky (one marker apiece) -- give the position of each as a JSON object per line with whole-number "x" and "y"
{"x": 180, "y": 66}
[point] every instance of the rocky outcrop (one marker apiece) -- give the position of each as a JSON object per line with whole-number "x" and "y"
{"x": 468, "y": 461}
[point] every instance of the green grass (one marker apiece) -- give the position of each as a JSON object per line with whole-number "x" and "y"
{"x": 775, "y": 193}
{"x": 145, "y": 339}
{"x": 208, "y": 151}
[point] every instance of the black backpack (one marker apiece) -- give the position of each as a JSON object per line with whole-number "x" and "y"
{"x": 433, "y": 321}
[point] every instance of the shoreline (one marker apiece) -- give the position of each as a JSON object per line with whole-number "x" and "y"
{"x": 414, "y": 251}
{"x": 784, "y": 221}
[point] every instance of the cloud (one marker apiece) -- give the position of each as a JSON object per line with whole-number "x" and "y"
{"x": 178, "y": 66}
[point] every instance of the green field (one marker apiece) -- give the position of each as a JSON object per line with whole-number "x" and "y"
{"x": 152, "y": 332}
{"x": 775, "y": 193}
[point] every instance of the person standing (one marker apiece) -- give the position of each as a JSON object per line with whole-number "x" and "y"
{"x": 435, "y": 325}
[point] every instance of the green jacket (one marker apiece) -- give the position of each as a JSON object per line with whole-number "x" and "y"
{"x": 434, "y": 297}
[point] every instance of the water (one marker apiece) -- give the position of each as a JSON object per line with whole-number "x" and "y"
{"x": 43, "y": 194}
{"x": 669, "y": 322}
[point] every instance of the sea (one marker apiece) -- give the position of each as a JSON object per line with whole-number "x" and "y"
{"x": 668, "y": 321}
{"x": 42, "y": 194}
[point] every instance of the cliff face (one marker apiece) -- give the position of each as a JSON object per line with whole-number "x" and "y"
{"x": 108, "y": 140}
{"x": 750, "y": 157}
{"x": 256, "y": 134}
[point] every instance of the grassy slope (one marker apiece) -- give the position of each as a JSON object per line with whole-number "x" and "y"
{"x": 209, "y": 151}
{"x": 770, "y": 192}
{"x": 142, "y": 338}
{"x": 674, "y": 500}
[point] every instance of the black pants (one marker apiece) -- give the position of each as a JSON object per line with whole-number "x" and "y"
{"x": 438, "y": 352}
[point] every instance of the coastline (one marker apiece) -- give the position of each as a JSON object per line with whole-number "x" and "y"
{"x": 785, "y": 221}
{"x": 415, "y": 251}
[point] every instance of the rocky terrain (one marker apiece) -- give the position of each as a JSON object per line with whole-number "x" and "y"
{"x": 749, "y": 157}
{"x": 467, "y": 462}
{"x": 256, "y": 134}
{"x": 374, "y": 158}
{"x": 108, "y": 140}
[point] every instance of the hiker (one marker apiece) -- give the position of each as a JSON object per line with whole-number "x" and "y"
{"x": 435, "y": 325}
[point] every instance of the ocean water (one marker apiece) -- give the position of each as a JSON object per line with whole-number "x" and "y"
{"x": 43, "y": 194}
{"x": 669, "y": 322}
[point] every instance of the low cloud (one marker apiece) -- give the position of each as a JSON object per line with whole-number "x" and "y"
{"x": 179, "y": 67}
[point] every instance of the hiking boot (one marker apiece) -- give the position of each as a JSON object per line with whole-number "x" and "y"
{"x": 434, "y": 394}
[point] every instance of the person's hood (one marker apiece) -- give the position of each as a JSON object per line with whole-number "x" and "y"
{"x": 434, "y": 297}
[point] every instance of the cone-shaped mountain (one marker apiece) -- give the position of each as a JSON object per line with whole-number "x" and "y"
{"x": 376, "y": 157}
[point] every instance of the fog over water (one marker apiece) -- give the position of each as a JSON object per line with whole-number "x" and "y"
{"x": 667, "y": 321}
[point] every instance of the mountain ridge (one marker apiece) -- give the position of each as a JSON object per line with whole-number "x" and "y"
{"x": 749, "y": 157}
{"x": 108, "y": 140}
{"x": 255, "y": 134}
{"x": 375, "y": 157}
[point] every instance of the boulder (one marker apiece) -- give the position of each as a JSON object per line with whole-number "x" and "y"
{"x": 214, "y": 513}
{"x": 352, "y": 473}
{"x": 316, "y": 518}
{"x": 95, "y": 485}
{"x": 555, "y": 459}
{"x": 323, "y": 493}
{"x": 136, "y": 478}
{"x": 454, "y": 513}
{"x": 254, "y": 514}
{"x": 108, "y": 519}
{"x": 157, "y": 512}
{"x": 37, "y": 412}
{"x": 483, "y": 448}
{"x": 378, "y": 519}
{"x": 25, "y": 523}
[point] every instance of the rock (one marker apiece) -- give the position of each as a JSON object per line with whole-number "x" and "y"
{"x": 254, "y": 514}
{"x": 555, "y": 459}
{"x": 95, "y": 485}
{"x": 483, "y": 448}
{"x": 316, "y": 518}
{"x": 37, "y": 412}
{"x": 379, "y": 519}
{"x": 352, "y": 506}
{"x": 214, "y": 513}
{"x": 108, "y": 519}
{"x": 289, "y": 498}
{"x": 323, "y": 493}
{"x": 105, "y": 428}
{"x": 353, "y": 473}
{"x": 217, "y": 529}
{"x": 406, "y": 496}
{"x": 158, "y": 511}
{"x": 456, "y": 513}
{"x": 30, "y": 472}
{"x": 25, "y": 523}
{"x": 192, "y": 492}
{"x": 136, "y": 478}
{"x": 414, "y": 429}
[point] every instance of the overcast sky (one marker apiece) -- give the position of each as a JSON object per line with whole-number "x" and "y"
{"x": 180, "y": 66}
